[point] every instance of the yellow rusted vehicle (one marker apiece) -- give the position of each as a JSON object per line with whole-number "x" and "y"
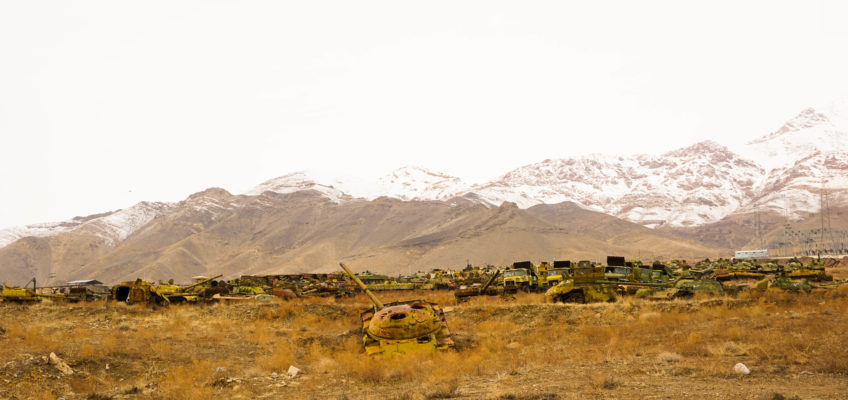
{"x": 486, "y": 289}
{"x": 138, "y": 291}
{"x": 19, "y": 294}
{"x": 402, "y": 327}
{"x": 585, "y": 284}
{"x": 183, "y": 294}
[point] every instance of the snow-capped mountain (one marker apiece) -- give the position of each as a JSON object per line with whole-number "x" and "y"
{"x": 334, "y": 188}
{"x": 406, "y": 183}
{"x": 703, "y": 183}
{"x": 783, "y": 171}
{"x": 811, "y": 131}
{"x": 113, "y": 226}
{"x": 798, "y": 188}
{"x": 417, "y": 183}
{"x": 691, "y": 186}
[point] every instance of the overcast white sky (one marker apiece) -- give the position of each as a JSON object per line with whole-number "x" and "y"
{"x": 104, "y": 104}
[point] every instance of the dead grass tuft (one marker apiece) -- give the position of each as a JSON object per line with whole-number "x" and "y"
{"x": 604, "y": 381}
{"x": 192, "y": 381}
{"x": 669, "y": 357}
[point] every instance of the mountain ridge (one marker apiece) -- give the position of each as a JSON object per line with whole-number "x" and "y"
{"x": 699, "y": 185}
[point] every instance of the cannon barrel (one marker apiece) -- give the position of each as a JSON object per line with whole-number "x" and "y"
{"x": 189, "y": 287}
{"x": 489, "y": 282}
{"x": 374, "y": 299}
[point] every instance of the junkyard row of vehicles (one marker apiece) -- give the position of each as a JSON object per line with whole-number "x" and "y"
{"x": 561, "y": 281}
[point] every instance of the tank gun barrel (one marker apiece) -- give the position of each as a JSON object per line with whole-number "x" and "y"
{"x": 489, "y": 282}
{"x": 201, "y": 282}
{"x": 362, "y": 286}
{"x": 648, "y": 284}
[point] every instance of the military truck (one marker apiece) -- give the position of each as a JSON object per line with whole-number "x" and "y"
{"x": 617, "y": 269}
{"x": 558, "y": 273}
{"x": 522, "y": 275}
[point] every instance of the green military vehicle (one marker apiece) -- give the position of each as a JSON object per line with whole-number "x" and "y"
{"x": 783, "y": 282}
{"x": 684, "y": 287}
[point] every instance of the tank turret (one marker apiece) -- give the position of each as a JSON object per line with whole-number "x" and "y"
{"x": 401, "y": 327}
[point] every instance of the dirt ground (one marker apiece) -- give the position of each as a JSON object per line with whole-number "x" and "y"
{"x": 794, "y": 345}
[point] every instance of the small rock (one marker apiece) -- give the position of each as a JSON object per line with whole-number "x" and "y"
{"x": 2, "y": 331}
{"x": 513, "y": 345}
{"x": 293, "y": 371}
{"x": 60, "y": 365}
{"x": 741, "y": 369}
{"x": 107, "y": 366}
{"x": 274, "y": 375}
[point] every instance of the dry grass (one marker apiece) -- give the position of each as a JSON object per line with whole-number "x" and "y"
{"x": 593, "y": 351}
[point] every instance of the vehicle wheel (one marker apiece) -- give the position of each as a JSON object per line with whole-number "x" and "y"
{"x": 573, "y": 297}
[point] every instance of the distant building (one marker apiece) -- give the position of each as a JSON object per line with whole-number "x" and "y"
{"x": 751, "y": 254}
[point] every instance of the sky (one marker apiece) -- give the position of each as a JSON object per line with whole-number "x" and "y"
{"x": 107, "y": 103}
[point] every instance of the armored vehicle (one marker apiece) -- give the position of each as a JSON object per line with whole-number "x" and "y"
{"x": 486, "y": 289}
{"x": 585, "y": 284}
{"x": 182, "y": 294}
{"x": 783, "y": 282}
{"x": 137, "y": 292}
{"x": 401, "y": 327}
{"x": 683, "y": 287}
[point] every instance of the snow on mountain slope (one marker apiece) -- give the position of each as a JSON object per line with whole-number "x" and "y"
{"x": 113, "y": 226}
{"x": 798, "y": 188}
{"x": 811, "y": 131}
{"x": 333, "y": 187}
{"x": 417, "y": 183}
{"x": 407, "y": 183}
{"x": 691, "y": 186}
